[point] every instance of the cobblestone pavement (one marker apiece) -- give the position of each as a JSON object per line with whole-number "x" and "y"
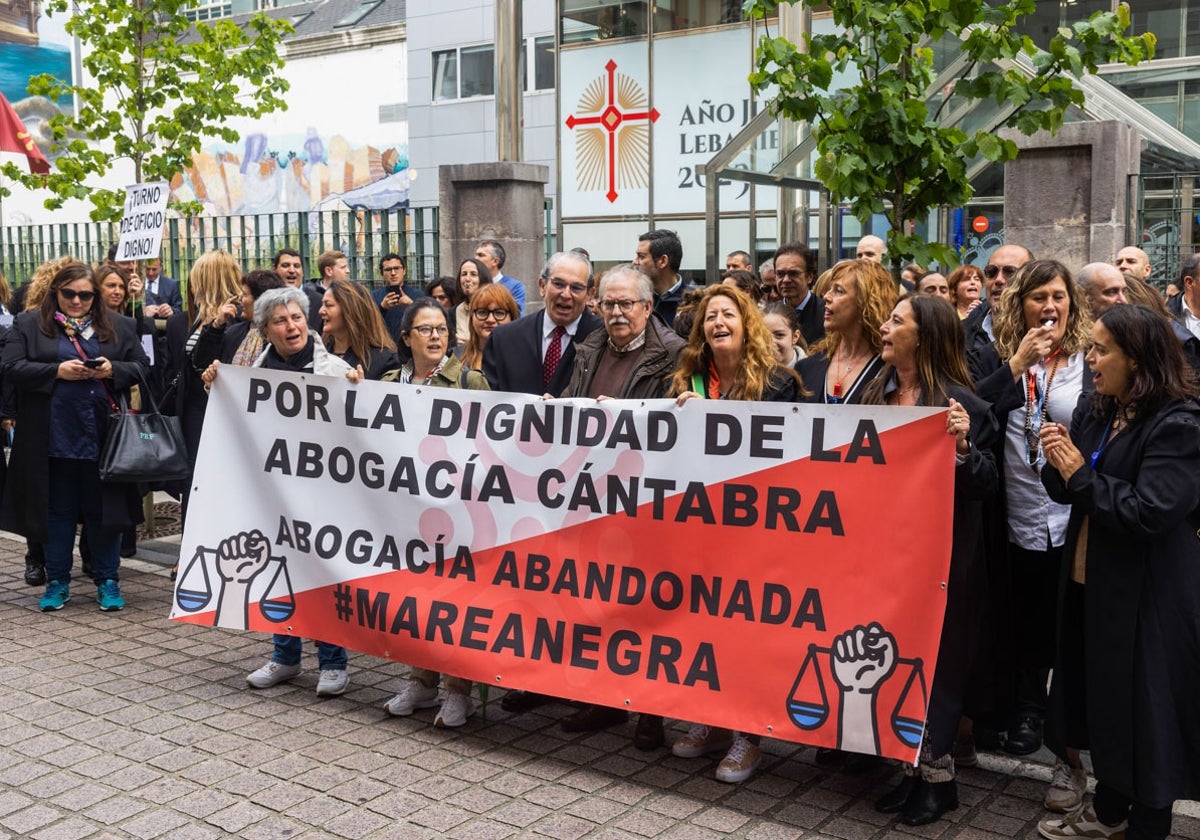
{"x": 129, "y": 725}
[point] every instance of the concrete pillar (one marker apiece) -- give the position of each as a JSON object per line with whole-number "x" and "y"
{"x": 1065, "y": 196}
{"x": 501, "y": 201}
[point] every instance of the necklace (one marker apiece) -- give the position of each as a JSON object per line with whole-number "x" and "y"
{"x": 840, "y": 380}
{"x": 1037, "y": 403}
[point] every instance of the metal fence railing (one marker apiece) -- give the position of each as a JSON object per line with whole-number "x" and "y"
{"x": 253, "y": 240}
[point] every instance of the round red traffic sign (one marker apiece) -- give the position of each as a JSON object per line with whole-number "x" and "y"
{"x": 980, "y": 224}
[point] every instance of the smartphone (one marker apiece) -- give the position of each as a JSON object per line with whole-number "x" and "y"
{"x": 93, "y": 363}
{"x": 395, "y": 290}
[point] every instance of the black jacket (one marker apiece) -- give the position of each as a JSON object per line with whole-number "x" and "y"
{"x": 1141, "y": 616}
{"x": 512, "y": 356}
{"x": 30, "y": 363}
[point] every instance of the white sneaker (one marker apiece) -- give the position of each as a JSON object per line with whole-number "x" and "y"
{"x": 454, "y": 711}
{"x": 1067, "y": 787}
{"x": 1083, "y": 823}
{"x": 273, "y": 673}
{"x": 333, "y": 681}
{"x": 740, "y": 762}
{"x": 412, "y": 696}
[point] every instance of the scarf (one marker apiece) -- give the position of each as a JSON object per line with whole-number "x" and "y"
{"x": 302, "y": 361}
{"x": 250, "y": 348}
{"x": 73, "y": 326}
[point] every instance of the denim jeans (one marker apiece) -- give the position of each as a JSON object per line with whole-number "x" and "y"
{"x": 329, "y": 657}
{"x": 75, "y": 489}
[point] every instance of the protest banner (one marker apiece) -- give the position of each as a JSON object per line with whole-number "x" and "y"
{"x": 761, "y": 566}
{"x": 142, "y": 221}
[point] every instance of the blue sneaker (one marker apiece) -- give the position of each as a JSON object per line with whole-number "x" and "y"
{"x": 108, "y": 594}
{"x": 57, "y": 594}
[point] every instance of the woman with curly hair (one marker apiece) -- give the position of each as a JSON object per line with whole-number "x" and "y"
{"x": 355, "y": 331}
{"x": 730, "y": 355}
{"x": 491, "y": 306}
{"x": 860, "y": 296}
{"x": 1037, "y": 374}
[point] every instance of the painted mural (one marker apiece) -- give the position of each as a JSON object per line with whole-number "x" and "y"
{"x": 296, "y": 173}
{"x": 32, "y": 44}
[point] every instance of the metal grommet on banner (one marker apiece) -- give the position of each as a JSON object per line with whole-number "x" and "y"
{"x": 770, "y": 729}
{"x": 627, "y": 703}
{"x": 497, "y": 678}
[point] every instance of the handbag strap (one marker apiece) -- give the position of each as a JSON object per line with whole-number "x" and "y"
{"x": 112, "y": 403}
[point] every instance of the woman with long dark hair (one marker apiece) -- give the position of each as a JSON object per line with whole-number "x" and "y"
{"x": 472, "y": 274}
{"x": 355, "y": 331}
{"x": 70, "y": 361}
{"x": 1127, "y": 667}
{"x": 924, "y": 355}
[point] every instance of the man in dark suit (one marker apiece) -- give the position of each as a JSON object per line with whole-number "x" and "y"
{"x": 161, "y": 289}
{"x": 795, "y": 270}
{"x": 535, "y": 354}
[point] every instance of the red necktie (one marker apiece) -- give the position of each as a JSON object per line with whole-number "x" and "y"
{"x": 553, "y": 355}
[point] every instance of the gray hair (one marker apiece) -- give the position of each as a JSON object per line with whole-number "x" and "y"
{"x": 768, "y": 265}
{"x": 645, "y": 290}
{"x": 561, "y": 256}
{"x": 272, "y": 299}
{"x": 1090, "y": 273}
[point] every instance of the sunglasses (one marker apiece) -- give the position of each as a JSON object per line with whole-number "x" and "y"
{"x": 992, "y": 270}
{"x": 71, "y": 294}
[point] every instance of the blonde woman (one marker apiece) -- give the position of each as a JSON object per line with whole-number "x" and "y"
{"x": 215, "y": 279}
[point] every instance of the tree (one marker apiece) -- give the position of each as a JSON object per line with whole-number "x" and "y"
{"x": 880, "y": 147}
{"x": 157, "y": 86}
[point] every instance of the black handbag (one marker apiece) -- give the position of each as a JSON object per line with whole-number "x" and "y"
{"x": 143, "y": 446}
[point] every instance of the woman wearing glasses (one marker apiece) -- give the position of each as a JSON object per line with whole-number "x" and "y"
{"x": 426, "y": 331}
{"x": 70, "y": 360}
{"x": 354, "y": 330}
{"x": 1037, "y": 373}
{"x": 491, "y": 306}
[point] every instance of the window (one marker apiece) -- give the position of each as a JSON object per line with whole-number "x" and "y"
{"x": 209, "y": 10}
{"x": 543, "y": 63}
{"x": 358, "y": 13}
{"x": 264, "y": 5}
{"x": 445, "y": 75}
{"x": 471, "y": 71}
{"x": 602, "y": 20}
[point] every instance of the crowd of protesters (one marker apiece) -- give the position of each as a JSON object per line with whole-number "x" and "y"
{"x": 1073, "y": 609}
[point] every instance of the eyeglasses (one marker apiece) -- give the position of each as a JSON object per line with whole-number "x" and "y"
{"x": 790, "y": 274}
{"x": 576, "y": 289}
{"x": 71, "y": 294}
{"x": 992, "y": 270}
{"x": 626, "y": 306}
{"x": 425, "y": 331}
{"x": 482, "y": 314}
{"x": 388, "y": 269}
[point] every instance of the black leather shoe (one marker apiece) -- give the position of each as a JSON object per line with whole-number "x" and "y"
{"x": 896, "y": 800}
{"x": 929, "y": 801}
{"x": 1024, "y": 737}
{"x": 518, "y": 702}
{"x": 35, "y": 573}
{"x": 649, "y": 733}
{"x": 591, "y": 718}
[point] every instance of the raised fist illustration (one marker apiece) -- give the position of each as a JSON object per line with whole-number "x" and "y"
{"x": 863, "y": 658}
{"x": 242, "y": 556}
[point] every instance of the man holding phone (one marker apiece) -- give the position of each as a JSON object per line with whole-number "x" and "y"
{"x": 393, "y": 297}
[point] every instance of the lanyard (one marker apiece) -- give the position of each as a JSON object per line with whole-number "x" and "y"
{"x": 1105, "y": 438}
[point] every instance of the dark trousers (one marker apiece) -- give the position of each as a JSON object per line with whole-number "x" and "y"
{"x": 1035, "y": 603}
{"x": 75, "y": 491}
{"x": 1145, "y": 823}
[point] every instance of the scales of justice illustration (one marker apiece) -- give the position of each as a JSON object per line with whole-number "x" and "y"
{"x": 276, "y": 598}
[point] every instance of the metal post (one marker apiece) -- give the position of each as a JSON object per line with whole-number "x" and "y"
{"x": 509, "y": 120}
{"x": 795, "y": 22}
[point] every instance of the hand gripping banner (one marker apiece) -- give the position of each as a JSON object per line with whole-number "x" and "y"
{"x": 759, "y": 566}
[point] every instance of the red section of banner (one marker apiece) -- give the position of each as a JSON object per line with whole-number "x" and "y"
{"x": 803, "y": 602}
{"x": 14, "y": 138}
